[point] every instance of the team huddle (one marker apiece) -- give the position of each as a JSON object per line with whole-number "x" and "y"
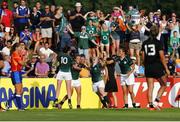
{"x": 102, "y": 71}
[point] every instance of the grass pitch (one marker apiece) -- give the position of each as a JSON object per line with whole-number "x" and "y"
{"x": 92, "y": 115}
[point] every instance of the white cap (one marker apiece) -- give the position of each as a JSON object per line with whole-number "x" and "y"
{"x": 78, "y": 4}
{"x": 159, "y": 10}
{"x": 133, "y": 58}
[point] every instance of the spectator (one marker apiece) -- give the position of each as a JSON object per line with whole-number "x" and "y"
{"x": 15, "y": 20}
{"x": 53, "y": 9}
{"x": 49, "y": 54}
{"x": 14, "y": 36}
{"x": 6, "y": 50}
{"x": 175, "y": 44}
{"x": 92, "y": 31}
{"x": 177, "y": 67}
{"x": 115, "y": 39}
{"x": 46, "y": 25}
{"x": 22, "y": 14}
{"x": 38, "y": 7}
{"x": 30, "y": 67}
{"x": 65, "y": 38}
{"x": 58, "y": 21}
{"x": 7, "y": 67}
{"x": 138, "y": 70}
{"x": 83, "y": 41}
{"x": 116, "y": 12}
{"x": 171, "y": 64}
{"x": 23, "y": 51}
{"x": 135, "y": 43}
{"x": 35, "y": 18}
{"x": 149, "y": 23}
{"x": 26, "y": 36}
{"x": 174, "y": 26}
{"x": 165, "y": 35}
{"x": 76, "y": 18}
{"x": 6, "y": 18}
{"x": 105, "y": 36}
{"x": 42, "y": 68}
{"x": 37, "y": 38}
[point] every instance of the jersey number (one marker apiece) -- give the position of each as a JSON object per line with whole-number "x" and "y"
{"x": 64, "y": 60}
{"x": 150, "y": 50}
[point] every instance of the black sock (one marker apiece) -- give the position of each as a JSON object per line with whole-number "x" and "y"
{"x": 134, "y": 104}
{"x": 126, "y": 105}
{"x": 104, "y": 103}
{"x": 69, "y": 101}
{"x": 106, "y": 99}
{"x": 56, "y": 99}
{"x": 157, "y": 99}
{"x": 151, "y": 105}
{"x": 61, "y": 103}
{"x": 78, "y": 106}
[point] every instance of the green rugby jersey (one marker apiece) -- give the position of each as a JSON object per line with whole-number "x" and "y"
{"x": 83, "y": 40}
{"x": 91, "y": 30}
{"x": 125, "y": 64}
{"x": 65, "y": 62}
{"x": 96, "y": 73}
{"x": 75, "y": 73}
{"x": 105, "y": 35}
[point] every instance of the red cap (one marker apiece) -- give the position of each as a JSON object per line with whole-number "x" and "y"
{"x": 4, "y": 3}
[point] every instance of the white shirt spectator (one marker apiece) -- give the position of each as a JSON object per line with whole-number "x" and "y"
{"x": 47, "y": 52}
{"x": 6, "y": 51}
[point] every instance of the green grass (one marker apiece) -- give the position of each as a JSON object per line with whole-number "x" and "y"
{"x": 93, "y": 114}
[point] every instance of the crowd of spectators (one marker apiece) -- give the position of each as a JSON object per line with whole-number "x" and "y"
{"x": 43, "y": 31}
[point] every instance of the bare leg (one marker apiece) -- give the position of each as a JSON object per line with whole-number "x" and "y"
{"x": 68, "y": 88}
{"x": 115, "y": 99}
{"x": 130, "y": 89}
{"x": 138, "y": 57}
{"x": 117, "y": 46}
{"x": 78, "y": 91}
{"x": 131, "y": 52}
{"x": 36, "y": 46}
{"x": 162, "y": 82}
{"x": 107, "y": 50}
{"x": 150, "y": 83}
{"x": 59, "y": 82}
{"x": 50, "y": 42}
{"x": 125, "y": 94}
{"x": 113, "y": 48}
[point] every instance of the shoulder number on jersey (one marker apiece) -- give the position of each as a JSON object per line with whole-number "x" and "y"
{"x": 150, "y": 49}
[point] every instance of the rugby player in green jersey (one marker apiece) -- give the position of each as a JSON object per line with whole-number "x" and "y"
{"x": 64, "y": 73}
{"x": 76, "y": 84}
{"x": 98, "y": 83}
{"x": 127, "y": 77}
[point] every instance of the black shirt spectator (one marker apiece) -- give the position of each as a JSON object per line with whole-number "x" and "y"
{"x": 135, "y": 35}
{"x": 35, "y": 18}
{"x": 47, "y": 23}
{"x": 76, "y": 18}
{"x": 148, "y": 25}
